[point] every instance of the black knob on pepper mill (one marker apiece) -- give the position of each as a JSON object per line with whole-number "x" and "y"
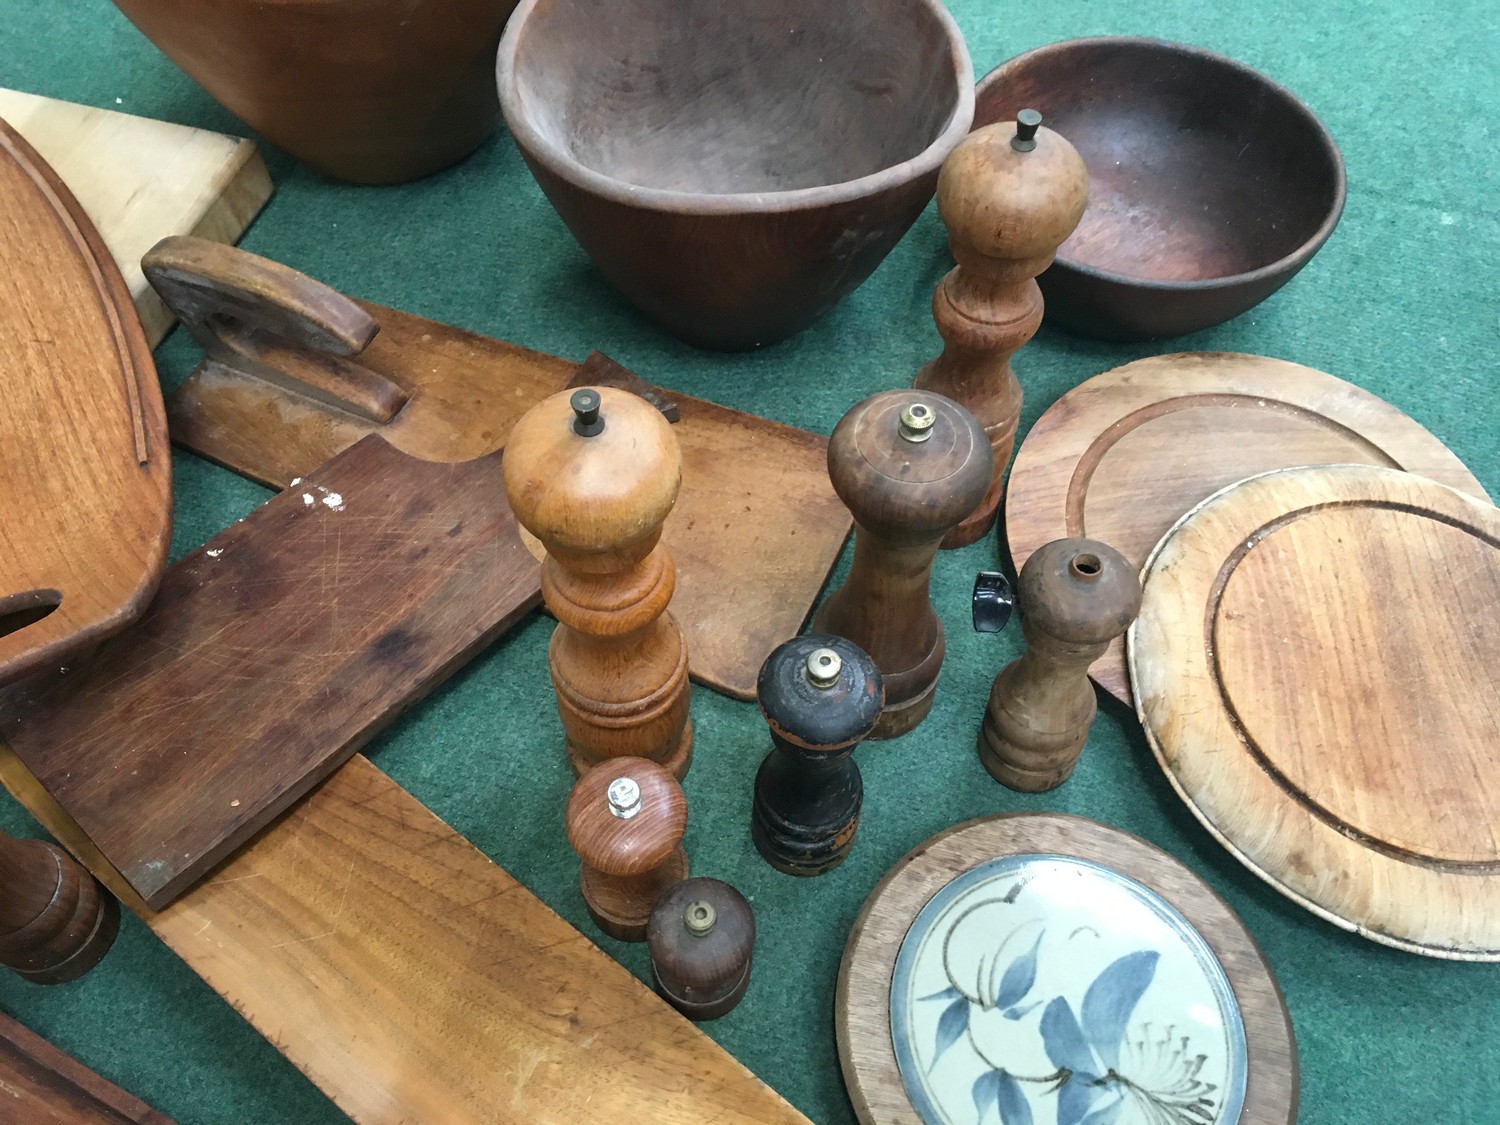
{"x": 820, "y": 695}
{"x": 700, "y": 938}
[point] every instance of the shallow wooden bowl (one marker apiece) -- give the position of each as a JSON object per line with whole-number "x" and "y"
{"x": 1210, "y": 186}
{"x": 736, "y": 169}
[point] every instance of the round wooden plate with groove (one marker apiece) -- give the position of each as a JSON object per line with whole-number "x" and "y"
{"x": 1315, "y": 665}
{"x": 1120, "y": 457}
{"x": 862, "y": 1006}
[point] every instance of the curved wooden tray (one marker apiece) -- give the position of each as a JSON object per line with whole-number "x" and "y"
{"x": 1120, "y": 457}
{"x": 1314, "y": 664}
{"x": 85, "y": 475}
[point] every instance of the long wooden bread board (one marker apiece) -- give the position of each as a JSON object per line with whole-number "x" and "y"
{"x": 414, "y": 981}
{"x": 40, "y": 1085}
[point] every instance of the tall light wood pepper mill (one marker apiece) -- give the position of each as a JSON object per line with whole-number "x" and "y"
{"x": 625, "y": 819}
{"x": 56, "y": 921}
{"x": 1074, "y": 596}
{"x": 593, "y": 474}
{"x": 820, "y": 695}
{"x": 1010, "y": 194}
{"x": 701, "y": 939}
{"x": 909, "y": 465}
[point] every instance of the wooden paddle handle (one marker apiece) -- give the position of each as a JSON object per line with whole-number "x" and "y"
{"x": 259, "y": 318}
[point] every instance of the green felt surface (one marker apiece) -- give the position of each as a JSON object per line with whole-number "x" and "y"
{"x": 1402, "y": 301}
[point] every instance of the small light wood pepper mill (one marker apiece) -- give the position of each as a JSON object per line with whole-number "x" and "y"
{"x": 1010, "y": 194}
{"x": 625, "y": 820}
{"x": 1074, "y": 596}
{"x": 701, "y": 937}
{"x": 593, "y": 474}
{"x": 909, "y": 465}
{"x": 56, "y": 921}
{"x": 820, "y": 695}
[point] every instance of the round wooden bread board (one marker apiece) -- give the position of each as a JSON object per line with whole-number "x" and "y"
{"x": 1315, "y": 664}
{"x": 1121, "y": 456}
{"x": 863, "y": 1006}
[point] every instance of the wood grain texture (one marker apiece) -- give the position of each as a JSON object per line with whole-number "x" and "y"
{"x": 756, "y": 514}
{"x": 270, "y": 655}
{"x": 1123, "y": 455}
{"x": 862, "y": 1004}
{"x": 413, "y": 981}
{"x": 1315, "y": 669}
{"x": 43, "y": 1086}
{"x": 701, "y": 941}
{"x": 85, "y": 472}
{"x": 140, "y": 180}
{"x": 56, "y": 923}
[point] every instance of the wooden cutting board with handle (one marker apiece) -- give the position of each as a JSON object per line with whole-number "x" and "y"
{"x": 1121, "y": 456}
{"x": 1315, "y": 665}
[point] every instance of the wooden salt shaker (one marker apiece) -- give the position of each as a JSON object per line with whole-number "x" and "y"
{"x": 593, "y": 474}
{"x": 625, "y": 820}
{"x": 909, "y": 465}
{"x": 701, "y": 937}
{"x": 820, "y": 695}
{"x": 1074, "y": 596}
{"x": 1010, "y": 194}
{"x": 56, "y": 921}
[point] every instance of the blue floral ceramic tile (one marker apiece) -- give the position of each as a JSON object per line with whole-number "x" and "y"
{"x": 1047, "y": 990}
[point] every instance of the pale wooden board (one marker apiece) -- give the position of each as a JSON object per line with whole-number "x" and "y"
{"x": 862, "y": 1015}
{"x": 1121, "y": 456}
{"x": 1315, "y": 665}
{"x": 140, "y": 180}
{"x": 416, "y": 983}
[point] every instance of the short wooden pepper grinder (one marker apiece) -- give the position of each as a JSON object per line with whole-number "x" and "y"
{"x": 701, "y": 937}
{"x": 625, "y": 820}
{"x": 909, "y": 465}
{"x": 820, "y": 695}
{"x": 1010, "y": 194}
{"x": 593, "y": 474}
{"x": 56, "y": 921}
{"x": 1074, "y": 596}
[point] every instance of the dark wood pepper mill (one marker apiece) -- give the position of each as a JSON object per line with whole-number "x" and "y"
{"x": 909, "y": 465}
{"x": 1010, "y": 194}
{"x": 1074, "y": 596}
{"x": 701, "y": 937}
{"x": 625, "y": 820}
{"x": 593, "y": 474}
{"x": 56, "y": 921}
{"x": 820, "y": 695}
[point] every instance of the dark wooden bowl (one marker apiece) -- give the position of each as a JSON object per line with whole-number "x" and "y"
{"x": 1209, "y": 184}
{"x": 737, "y": 169}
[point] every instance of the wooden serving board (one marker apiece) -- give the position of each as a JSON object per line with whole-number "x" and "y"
{"x": 414, "y": 981}
{"x": 1120, "y": 457}
{"x": 757, "y": 525}
{"x": 85, "y": 472}
{"x": 1315, "y": 666}
{"x": 140, "y": 180}
{"x": 39, "y": 1085}
{"x": 270, "y": 655}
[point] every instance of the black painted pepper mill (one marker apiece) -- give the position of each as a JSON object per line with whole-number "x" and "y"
{"x": 820, "y": 695}
{"x": 701, "y": 938}
{"x": 56, "y": 921}
{"x": 909, "y": 465}
{"x": 1075, "y": 596}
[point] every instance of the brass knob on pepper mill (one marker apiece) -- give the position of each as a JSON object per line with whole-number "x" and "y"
{"x": 1010, "y": 194}
{"x": 820, "y": 695}
{"x": 1074, "y": 596}
{"x": 593, "y": 475}
{"x": 56, "y": 921}
{"x": 908, "y": 465}
{"x": 625, "y": 819}
{"x": 701, "y": 938}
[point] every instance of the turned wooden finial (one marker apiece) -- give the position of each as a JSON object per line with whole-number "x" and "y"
{"x": 1010, "y": 194}
{"x": 909, "y": 465}
{"x": 625, "y": 820}
{"x": 593, "y": 474}
{"x": 56, "y": 921}
{"x": 820, "y": 695}
{"x": 701, "y": 937}
{"x": 1074, "y": 596}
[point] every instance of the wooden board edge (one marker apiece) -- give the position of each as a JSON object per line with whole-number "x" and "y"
{"x": 25, "y": 1043}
